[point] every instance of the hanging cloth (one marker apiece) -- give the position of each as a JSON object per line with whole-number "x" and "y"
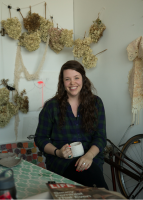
{"x": 19, "y": 68}
{"x": 135, "y": 78}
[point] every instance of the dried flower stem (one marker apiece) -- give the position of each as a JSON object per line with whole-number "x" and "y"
{"x": 98, "y": 15}
{"x": 101, "y": 52}
{"x": 30, "y": 9}
{"x": 10, "y": 12}
{"x": 21, "y": 15}
{"x": 45, "y": 10}
{"x": 84, "y": 34}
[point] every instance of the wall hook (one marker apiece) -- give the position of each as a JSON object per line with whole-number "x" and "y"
{"x": 2, "y": 32}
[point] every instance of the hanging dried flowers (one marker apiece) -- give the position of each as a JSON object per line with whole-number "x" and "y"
{"x": 54, "y": 42}
{"x": 4, "y": 116}
{"x": 22, "y": 101}
{"x": 13, "y": 109}
{"x": 12, "y": 27}
{"x": 45, "y": 25}
{"x": 96, "y": 30}
{"x": 7, "y": 109}
{"x": 32, "y": 22}
{"x": 81, "y": 47}
{"x": 4, "y": 82}
{"x": 6, "y": 113}
{"x": 60, "y": 38}
{"x": 4, "y": 96}
{"x": 31, "y": 41}
{"x": 67, "y": 37}
{"x": 89, "y": 61}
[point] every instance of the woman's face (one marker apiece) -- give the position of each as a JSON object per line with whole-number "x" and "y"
{"x": 72, "y": 82}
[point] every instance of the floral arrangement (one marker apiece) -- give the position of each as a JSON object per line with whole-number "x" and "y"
{"x": 40, "y": 29}
{"x": 45, "y": 25}
{"x": 6, "y": 113}
{"x": 4, "y": 116}
{"x": 31, "y": 41}
{"x": 4, "y": 96}
{"x": 12, "y": 109}
{"x": 89, "y": 61}
{"x": 81, "y": 47}
{"x": 67, "y": 37}
{"x": 54, "y": 42}
{"x": 32, "y": 22}
{"x": 96, "y": 30}
{"x": 60, "y": 38}
{"x": 9, "y": 109}
{"x": 22, "y": 101}
{"x": 12, "y": 27}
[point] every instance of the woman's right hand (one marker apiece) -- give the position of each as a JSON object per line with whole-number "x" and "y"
{"x": 65, "y": 152}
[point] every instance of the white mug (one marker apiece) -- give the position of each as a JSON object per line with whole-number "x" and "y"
{"x": 77, "y": 149}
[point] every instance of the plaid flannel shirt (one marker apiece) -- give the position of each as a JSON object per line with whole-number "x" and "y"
{"x": 48, "y": 131}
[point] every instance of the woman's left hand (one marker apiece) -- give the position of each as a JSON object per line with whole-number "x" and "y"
{"x": 84, "y": 162}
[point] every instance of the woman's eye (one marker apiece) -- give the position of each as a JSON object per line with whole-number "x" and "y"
{"x": 76, "y": 78}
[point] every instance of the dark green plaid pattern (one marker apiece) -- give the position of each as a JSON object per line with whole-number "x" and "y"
{"x": 49, "y": 131}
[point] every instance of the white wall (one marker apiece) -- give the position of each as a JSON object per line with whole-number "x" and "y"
{"x": 51, "y": 67}
{"x": 124, "y": 22}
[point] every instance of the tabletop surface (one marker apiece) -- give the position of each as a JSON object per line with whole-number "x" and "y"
{"x": 31, "y": 179}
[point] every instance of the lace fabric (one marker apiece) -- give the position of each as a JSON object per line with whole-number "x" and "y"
{"x": 19, "y": 68}
{"x": 135, "y": 78}
{"x": 133, "y": 48}
{"x": 140, "y": 53}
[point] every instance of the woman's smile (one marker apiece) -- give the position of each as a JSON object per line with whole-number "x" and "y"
{"x": 72, "y": 82}
{"x": 73, "y": 88}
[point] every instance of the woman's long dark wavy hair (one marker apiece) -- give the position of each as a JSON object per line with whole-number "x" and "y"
{"x": 88, "y": 110}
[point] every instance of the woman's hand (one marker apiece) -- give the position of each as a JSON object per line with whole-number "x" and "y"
{"x": 65, "y": 152}
{"x": 84, "y": 162}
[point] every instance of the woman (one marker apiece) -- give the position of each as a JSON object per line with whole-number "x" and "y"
{"x": 74, "y": 114}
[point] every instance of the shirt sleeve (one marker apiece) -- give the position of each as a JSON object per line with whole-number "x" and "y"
{"x": 44, "y": 128}
{"x": 99, "y": 136}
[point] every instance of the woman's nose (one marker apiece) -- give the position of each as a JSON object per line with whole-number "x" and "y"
{"x": 72, "y": 81}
